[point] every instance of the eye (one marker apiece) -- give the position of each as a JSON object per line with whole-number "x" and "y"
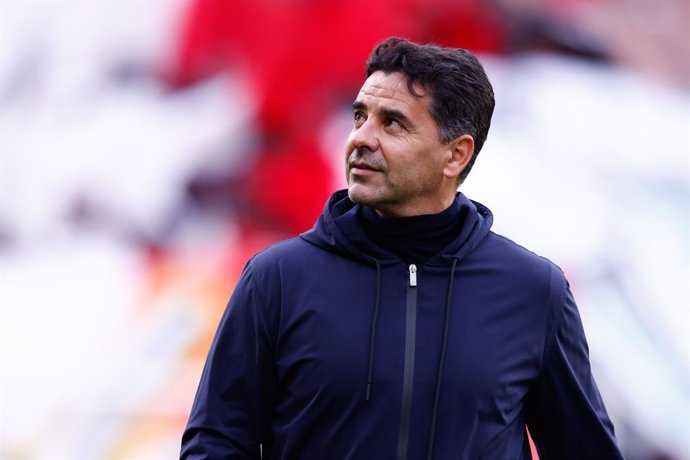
{"x": 358, "y": 117}
{"x": 392, "y": 123}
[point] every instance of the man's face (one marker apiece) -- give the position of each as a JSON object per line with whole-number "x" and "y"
{"x": 394, "y": 157}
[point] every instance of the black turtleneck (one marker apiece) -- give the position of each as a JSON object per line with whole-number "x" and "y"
{"x": 415, "y": 238}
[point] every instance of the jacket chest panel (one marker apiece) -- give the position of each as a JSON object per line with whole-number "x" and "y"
{"x": 324, "y": 344}
{"x": 325, "y": 337}
{"x": 493, "y": 356}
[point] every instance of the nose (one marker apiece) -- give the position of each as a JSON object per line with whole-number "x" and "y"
{"x": 364, "y": 136}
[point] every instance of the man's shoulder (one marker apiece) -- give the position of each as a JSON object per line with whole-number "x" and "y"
{"x": 530, "y": 276}
{"x": 525, "y": 263}
{"x": 290, "y": 251}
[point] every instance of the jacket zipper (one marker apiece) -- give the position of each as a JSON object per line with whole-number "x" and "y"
{"x": 408, "y": 369}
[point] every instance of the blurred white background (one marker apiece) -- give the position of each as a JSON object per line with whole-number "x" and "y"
{"x": 148, "y": 148}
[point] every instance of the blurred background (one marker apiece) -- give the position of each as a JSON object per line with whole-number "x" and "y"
{"x": 149, "y": 148}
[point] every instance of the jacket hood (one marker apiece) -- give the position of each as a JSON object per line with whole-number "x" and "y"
{"x": 338, "y": 230}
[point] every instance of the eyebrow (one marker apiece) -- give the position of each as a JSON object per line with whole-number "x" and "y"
{"x": 386, "y": 113}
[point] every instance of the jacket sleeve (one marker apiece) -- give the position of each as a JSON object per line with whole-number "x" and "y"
{"x": 564, "y": 410}
{"x": 230, "y": 414}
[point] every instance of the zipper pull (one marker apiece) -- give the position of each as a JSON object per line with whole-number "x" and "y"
{"x": 413, "y": 275}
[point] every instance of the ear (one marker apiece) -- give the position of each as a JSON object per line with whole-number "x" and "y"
{"x": 461, "y": 150}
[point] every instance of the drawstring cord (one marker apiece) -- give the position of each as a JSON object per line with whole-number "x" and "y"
{"x": 372, "y": 338}
{"x": 439, "y": 373}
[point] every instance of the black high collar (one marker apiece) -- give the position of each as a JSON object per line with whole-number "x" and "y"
{"x": 415, "y": 238}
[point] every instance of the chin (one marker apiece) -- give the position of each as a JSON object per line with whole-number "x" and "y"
{"x": 354, "y": 194}
{"x": 359, "y": 194}
{"x": 363, "y": 195}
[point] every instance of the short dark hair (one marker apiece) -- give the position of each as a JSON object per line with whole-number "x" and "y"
{"x": 462, "y": 98}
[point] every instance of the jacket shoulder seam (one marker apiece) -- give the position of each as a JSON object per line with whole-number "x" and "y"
{"x": 551, "y": 339}
{"x": 264, "y": 301}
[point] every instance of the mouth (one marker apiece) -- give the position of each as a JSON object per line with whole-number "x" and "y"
{"x": 359, "y": 167}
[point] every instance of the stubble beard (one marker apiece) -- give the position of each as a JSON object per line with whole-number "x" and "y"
{"x": 388, "y": 200}
{"x": 383, "y": 199}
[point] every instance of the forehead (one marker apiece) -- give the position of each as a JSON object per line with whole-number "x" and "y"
{"x": 391, "y": 91}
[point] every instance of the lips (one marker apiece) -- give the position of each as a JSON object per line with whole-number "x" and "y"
{"x": 363, "y": 165}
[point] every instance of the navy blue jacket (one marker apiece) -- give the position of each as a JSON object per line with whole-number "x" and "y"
{"x": 333, "y": 348}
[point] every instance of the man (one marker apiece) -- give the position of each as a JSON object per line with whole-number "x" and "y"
{"x": 400, "y": 326}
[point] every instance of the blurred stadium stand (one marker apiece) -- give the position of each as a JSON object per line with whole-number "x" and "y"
{"x": 147, "y": 149}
